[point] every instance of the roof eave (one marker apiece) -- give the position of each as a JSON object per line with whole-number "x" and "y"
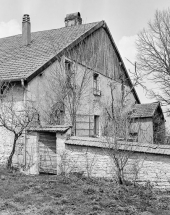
{"x": 12, "y": 80}
{"x": 141, "y": 117}
{"x": 120, "y": 58}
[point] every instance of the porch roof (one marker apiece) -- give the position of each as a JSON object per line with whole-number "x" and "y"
{"x": 51, "y": 128}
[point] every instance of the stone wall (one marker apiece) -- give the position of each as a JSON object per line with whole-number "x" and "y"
{"x": 6, "y": 143}
{"x": 143, "y": 164}
{"x": 140, "y": 167}
{"x": 146, "y": 162}
{"x": 6, "y": 138}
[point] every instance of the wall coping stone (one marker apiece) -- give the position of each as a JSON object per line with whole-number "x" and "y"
{"x": 105, "y": 142}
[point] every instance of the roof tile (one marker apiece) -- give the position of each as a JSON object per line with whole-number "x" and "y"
{"x": 18, "y": 61}
{"x": 144, "y": 110}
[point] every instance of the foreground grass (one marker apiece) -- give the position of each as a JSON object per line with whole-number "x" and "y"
{"x": 48, "y": 195}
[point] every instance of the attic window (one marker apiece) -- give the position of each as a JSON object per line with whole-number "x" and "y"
{"x": 69, "y": 73}
{"x": 96, "y": 85}
{"x": 67, "y": 66}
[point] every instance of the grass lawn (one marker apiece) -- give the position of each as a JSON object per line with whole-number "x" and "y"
{"x": 50, "y": 194}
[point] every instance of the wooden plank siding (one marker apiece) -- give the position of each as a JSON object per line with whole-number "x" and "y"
{"x": 97, "y": 52}
{"x": 47, "y": 152}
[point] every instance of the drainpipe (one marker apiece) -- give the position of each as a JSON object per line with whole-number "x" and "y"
{"x": 22, "y": 84}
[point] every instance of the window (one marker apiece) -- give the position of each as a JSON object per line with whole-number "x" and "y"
{"x": 67, "y": 66}
{"x": 59, "y": 117}
{"x": 133, "y": 136}
{"x": 96, "y": 86}
{"x": 69, "y": 73}
{"x": 96, "y": 125}
{"x": 57, "y": 114}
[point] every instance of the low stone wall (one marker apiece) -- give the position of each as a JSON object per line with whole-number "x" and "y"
{"x": 6, "y": 143}
{"x": 88, "y": 155}
{"x": 146, "y": 162}
{"x": 6, "y": 138}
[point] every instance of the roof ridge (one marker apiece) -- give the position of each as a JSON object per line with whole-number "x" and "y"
{"x": 50, "y": 29}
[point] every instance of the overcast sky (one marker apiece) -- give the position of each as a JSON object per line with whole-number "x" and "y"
{"x": 125, "y": 18}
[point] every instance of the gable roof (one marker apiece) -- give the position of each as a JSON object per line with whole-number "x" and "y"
{"x": 145, "y": 110}
{"x": 19, "y": 62}
{"x": 25, "y": 62}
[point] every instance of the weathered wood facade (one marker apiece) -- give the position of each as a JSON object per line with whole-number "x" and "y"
{"x": 47, "y": 152}
{"x": 149, "y": 123}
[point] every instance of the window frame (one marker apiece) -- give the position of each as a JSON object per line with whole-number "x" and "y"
{"x": 96, "y": 125}
{"x": 96, "y": 85}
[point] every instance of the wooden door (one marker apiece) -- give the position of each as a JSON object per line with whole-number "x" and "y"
{"x": 47, "y": 152}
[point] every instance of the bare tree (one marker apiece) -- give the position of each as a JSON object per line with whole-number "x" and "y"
{"x": 71, "y": 83}
{"x": 15, "y": 116}
{"x": 120, "y": 131}
{"x": 90, "y": 162}
{"x": 153, "y": 45}
{"x": 117, "y": 135}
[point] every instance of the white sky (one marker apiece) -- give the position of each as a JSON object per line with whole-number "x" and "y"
{"x": 125, "y": 18}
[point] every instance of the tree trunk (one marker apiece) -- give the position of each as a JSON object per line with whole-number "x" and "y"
{"x": 9, "y": 162}
{"x": 73, "y": 129}
{"x": 120, "y": 177}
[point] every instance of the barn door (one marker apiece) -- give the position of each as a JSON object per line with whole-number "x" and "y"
{"x": 47, "y": 152}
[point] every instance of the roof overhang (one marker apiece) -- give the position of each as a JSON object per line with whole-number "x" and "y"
{"x": 51, "y": 128}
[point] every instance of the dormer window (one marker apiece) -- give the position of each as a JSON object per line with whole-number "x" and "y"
{"x": 96, "y": 85}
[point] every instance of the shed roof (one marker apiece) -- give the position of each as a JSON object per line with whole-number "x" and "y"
{"x": 145, "y": 110}
{"x": 51, "y": 128}
{"x": 122, "y": 145}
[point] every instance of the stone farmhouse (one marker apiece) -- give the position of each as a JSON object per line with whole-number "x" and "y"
{"x": 29, "y": 62}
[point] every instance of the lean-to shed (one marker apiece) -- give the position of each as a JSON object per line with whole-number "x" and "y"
{"x": 148, "y": 123}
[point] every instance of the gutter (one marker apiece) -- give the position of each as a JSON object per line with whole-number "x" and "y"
{"x": 25, "y": 136}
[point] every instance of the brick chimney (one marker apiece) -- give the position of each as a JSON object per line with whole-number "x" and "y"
{"x": 73, "y": 19}
{"x": 26, "y": 30}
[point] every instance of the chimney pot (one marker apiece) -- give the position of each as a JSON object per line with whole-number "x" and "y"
{"x": 26, "y": 30}
{"x": 73, "y": 19}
